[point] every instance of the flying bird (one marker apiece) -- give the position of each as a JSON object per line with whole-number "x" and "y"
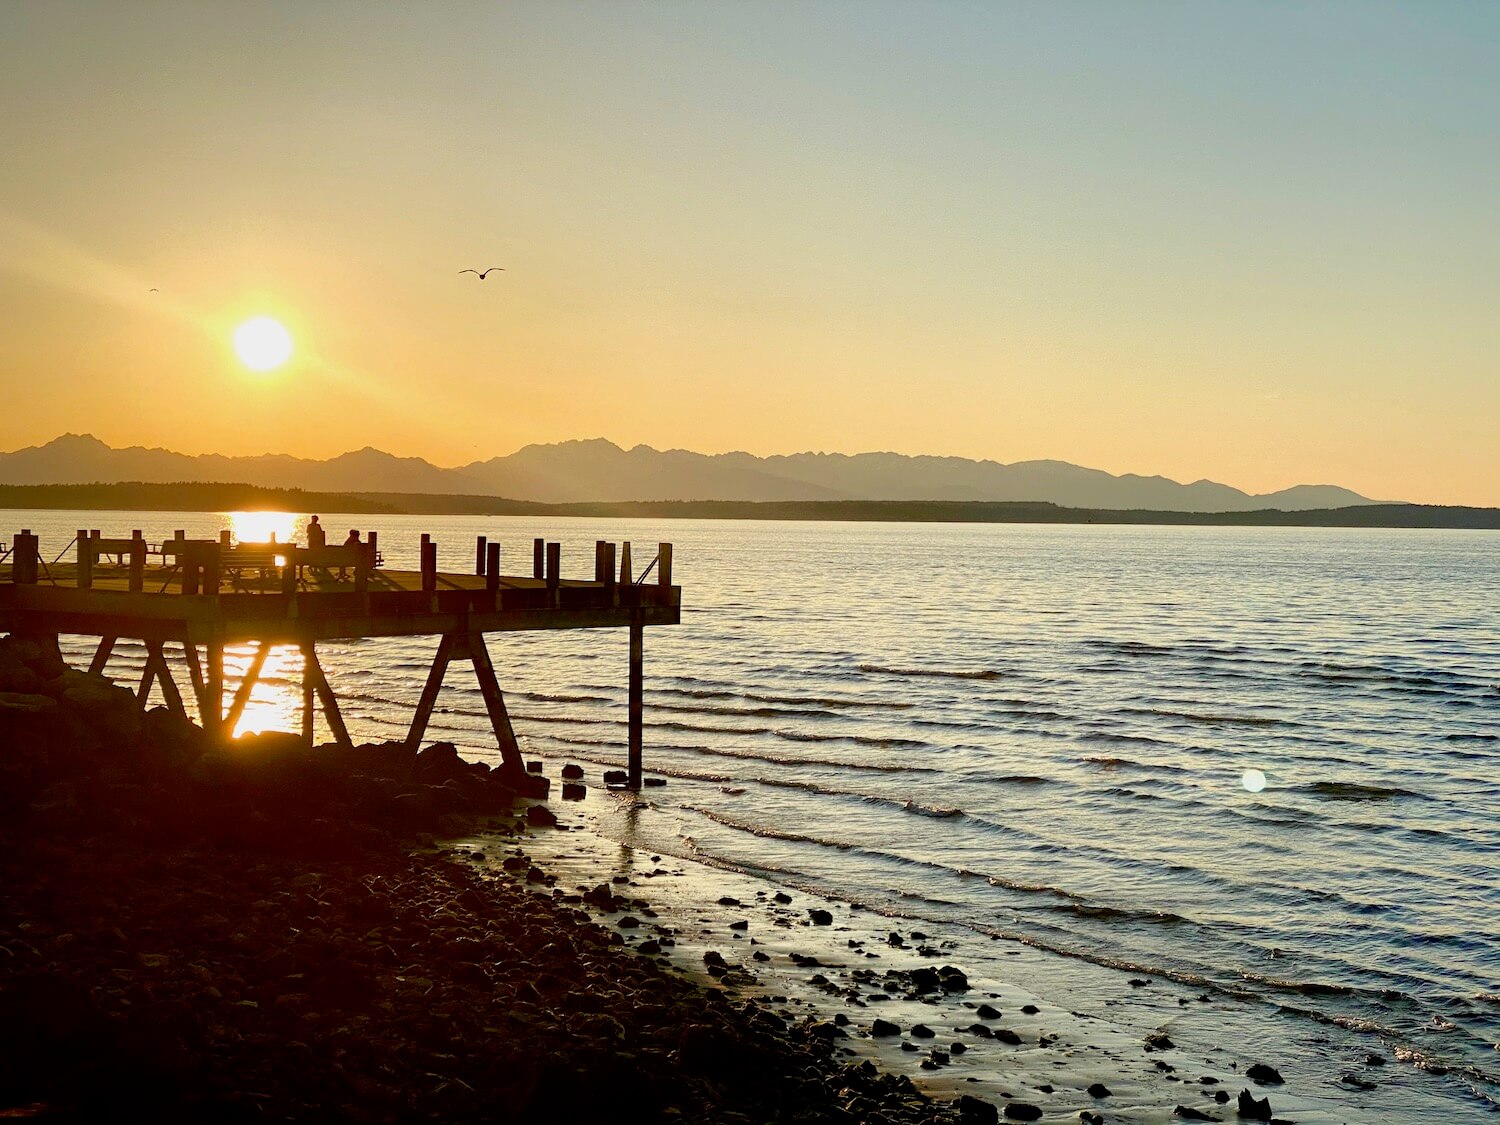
{"x": 156, "y": 290}
{"x": 486, "y": 273}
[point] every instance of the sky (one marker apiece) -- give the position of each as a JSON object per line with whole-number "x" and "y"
{"x": 1251, "y": 242}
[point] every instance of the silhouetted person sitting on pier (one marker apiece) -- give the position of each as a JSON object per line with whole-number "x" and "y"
{"x": 352, "y": 541}
{"x": 315, "y": 535}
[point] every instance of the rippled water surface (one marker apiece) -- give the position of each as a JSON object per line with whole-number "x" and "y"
{"x": 1051, "y": 733}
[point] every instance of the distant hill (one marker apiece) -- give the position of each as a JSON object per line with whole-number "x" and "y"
{"x": 600, "y": 471}
{"x": 243, "y": 497}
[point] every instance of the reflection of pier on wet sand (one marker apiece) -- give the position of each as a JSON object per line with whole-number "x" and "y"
{"x": 203, "y": 594}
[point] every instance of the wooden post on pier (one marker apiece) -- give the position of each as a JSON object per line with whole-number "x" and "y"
{"x": 492, "y": 572}
{"x": 479, "y": 554}
{"x": 554, "y": 570}
{"x": 24, "y": 552}
{"x": 625, "y": 578}
{"x": 137, "y": 561}
{"x": 608, "y": 576}
{"x": 538, "y": 548}
{"x": 429, "y": 566}
{"x": 599, "y": 546}
{"x": 637, "y": 714}
{"x": 664, "y": 564}
{"x": 85, "y": 559}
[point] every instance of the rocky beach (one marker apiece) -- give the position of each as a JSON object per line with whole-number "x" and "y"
{"x": 259, "y": 932}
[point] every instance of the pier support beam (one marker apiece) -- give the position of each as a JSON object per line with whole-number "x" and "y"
{"x": 470, "y": 647}
{"x": 314, "y": 681}
{"x": 637, "y": 696}
{"x": 247, "y": 685}
{"x": 157, "y": 671}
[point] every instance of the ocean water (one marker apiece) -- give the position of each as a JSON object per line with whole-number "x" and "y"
{"x": 1263, "y": 763}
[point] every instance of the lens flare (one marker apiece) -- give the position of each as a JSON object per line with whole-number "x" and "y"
{"x": 1253, "y": 781}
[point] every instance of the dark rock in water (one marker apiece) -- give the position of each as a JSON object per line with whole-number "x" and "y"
{"x": 533, "y": 765}
{"x": 540, "y": 816}
{"x": 628, "y": 922}
{"x": 1030, "y": 1009}
{"x": 654, "y": 782}
{"x": 1253, "y": 1108}
{"x": 1372, "y": 1059}
{"x": 728, "y": 900}
{"x": 760, "y": 955}
{"x": 572, "y": 772}
{"x": 981, "y": 1030}
{"x": 820, "y": 917}
{"x": 884, "y": 1028}
{"x": 1159, "y": 1041}
{"x": 896, "y": 940}
{"x": 649, "y": 946}
{"x": 781, "y": 897}
{"x": 953, "y": 979}
{"x": 1355, "y": 1082}
{"x": 905, "y": 1046}
{"x": 1089, "y": 1118}
{"x": 1221, "y": 1096}
{"x": 1188, "y": 1113}
{"x": 713, "y": 957}
{"x": 1098, "y": 1090}
{"x": 976, "y": 1111}
{"x": 1022, "y": 1111}
{"x": 957, "y": 1048}
{"x": 574, "y": 792}
{"x": 939, "y": 1058}
{"x": 925, "y": 980}
{"x": 616, "y": 777}
{"x": 1263, "y": 1075}
{"x": 1006, "y": 1035}
{"x": 922, "y": 1031}
{"x": 985, "y": 1012}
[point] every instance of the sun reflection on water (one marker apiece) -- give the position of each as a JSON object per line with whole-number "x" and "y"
{"x": 276, "y": 700}
{"x": 262, "y": 527}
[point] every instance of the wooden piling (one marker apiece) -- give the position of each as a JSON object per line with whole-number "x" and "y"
{"x": 85, "y": 559}
{"x": 137, "y": 561}
{"x": 599, "y": 547}
{"x": 23, "y": 558}
{"x": 429, "y": 565}
{"x": 538, "y": 547}
{"x": 625, "y": 578}
{"x": 637, "y": 715}
{"x": 554, "y": 569}
{"x": 479, "y": 544}
{"x": 492, "y": 567}
{"x": 664, "y": 564}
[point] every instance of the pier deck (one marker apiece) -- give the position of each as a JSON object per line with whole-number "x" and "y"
{"x": 209, "y": 594}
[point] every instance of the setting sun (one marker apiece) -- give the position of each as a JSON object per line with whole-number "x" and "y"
{"x": 262, "y": 344}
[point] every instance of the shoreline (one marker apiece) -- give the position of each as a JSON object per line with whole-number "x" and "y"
{"x": 248, "y": 934}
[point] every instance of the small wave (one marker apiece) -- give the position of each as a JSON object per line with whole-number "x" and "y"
{"x": 1353, "y": 791}
{"x": 936, "y": 811}
{"x": 1121, "y": 914}
{"x": 1109, "y": 763}
{"x": 1211, "y": 719}
{"x": 943, "y": 673}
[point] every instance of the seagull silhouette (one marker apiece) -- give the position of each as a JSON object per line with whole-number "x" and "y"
{"x": 156, "y": 290}
{"x": 486, "y": 273}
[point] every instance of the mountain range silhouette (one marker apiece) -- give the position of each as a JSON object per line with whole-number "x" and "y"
{"x": 599, "y": 470}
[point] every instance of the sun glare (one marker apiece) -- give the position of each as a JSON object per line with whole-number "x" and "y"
{"x": 262, "y": 344}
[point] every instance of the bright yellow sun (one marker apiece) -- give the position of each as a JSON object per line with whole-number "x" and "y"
{"x": 262, "y": 344}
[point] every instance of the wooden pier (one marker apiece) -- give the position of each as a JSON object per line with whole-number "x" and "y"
{"x": 200, "y": 595}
